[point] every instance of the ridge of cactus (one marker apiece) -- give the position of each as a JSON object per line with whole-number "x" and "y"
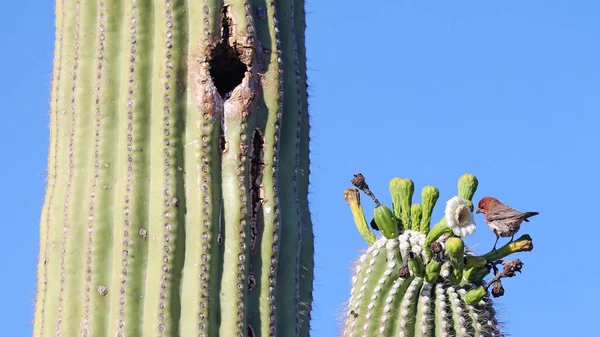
{"x": 421, "y": 280}
{"x": 177, "y": 197}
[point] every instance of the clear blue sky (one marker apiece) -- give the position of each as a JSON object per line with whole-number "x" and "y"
{"x": 506, "y": 90}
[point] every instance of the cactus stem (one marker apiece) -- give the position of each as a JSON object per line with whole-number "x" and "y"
{"x": 164, "y": 216}
{"x": 522, "y": 244}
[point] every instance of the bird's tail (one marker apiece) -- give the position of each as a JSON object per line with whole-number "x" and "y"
{"x": 527, "y": 215}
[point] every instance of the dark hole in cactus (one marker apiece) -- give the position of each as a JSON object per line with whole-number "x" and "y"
{"x": 256, "y": 169}
{"x": 226, "y": 69}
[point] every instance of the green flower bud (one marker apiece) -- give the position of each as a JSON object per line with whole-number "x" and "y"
{"x": 455, "y": 247}
{"x": 429, "y": 196}
{"x": 467, "y": 185}
{"x": 475, "y": 295}
{"x": 415, "y": 263}
{"x": 402, "y": 191}
{"x": 386, "y": 221}
{"x": 416, "y": 214}
{"x": 432, "y": 271}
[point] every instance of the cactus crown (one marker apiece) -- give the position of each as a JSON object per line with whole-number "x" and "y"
{"x": 421, "y": 280}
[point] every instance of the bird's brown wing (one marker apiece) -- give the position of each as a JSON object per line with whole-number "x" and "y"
{"x": 501, "y": 213}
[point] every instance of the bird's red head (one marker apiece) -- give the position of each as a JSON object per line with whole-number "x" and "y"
{"x": 485, "y": 204}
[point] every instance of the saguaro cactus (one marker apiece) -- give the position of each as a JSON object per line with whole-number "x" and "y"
{"x": 178, "y": 171}
{"x": 422, "y": 281}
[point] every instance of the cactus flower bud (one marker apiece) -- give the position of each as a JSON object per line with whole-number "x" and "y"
{"x": 386, "y": 221}
{"x": 429, "y": 196}
{"x": 402, "y": 191}
{"x": 455, "y": 247}
{"x": 415, "y": 263}
{"x": 432, "y": 271}
{"x": 475, "y": 295}
{"x": 467, "y": 185}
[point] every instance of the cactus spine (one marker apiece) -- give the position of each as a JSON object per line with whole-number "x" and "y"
{"x": 178, "y": 171}
{"x": 423, "y": 281}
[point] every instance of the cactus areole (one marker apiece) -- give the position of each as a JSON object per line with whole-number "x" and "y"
{"x": 418, "y": 280}
{"x": 178, "y": 170}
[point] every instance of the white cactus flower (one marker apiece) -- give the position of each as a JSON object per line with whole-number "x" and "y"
{"x": 459, "y": 217}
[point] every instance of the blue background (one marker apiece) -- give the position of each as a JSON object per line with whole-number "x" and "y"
{"x": 506, "y": 90}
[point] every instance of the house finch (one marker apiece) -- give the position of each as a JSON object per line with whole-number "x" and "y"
{"x": 503, "y": 220}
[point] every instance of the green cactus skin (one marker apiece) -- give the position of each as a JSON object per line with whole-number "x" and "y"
{"x": 382, "y": 304}
{"x": 444, "y": 293}
{"x": 177, "y": 171}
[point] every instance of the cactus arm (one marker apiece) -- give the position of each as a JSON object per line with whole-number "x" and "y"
{"x": 307, "y": 248}
{"x": 288, "y": 271}
{"x": 203, "y": 170}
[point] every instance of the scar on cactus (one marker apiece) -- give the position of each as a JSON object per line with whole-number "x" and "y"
{"x": 420, "y": 280}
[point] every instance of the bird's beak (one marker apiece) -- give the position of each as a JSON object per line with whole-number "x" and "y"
{"x": 479, "y": 210}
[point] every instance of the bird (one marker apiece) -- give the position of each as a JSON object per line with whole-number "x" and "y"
{"x": 502, "y": 219}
